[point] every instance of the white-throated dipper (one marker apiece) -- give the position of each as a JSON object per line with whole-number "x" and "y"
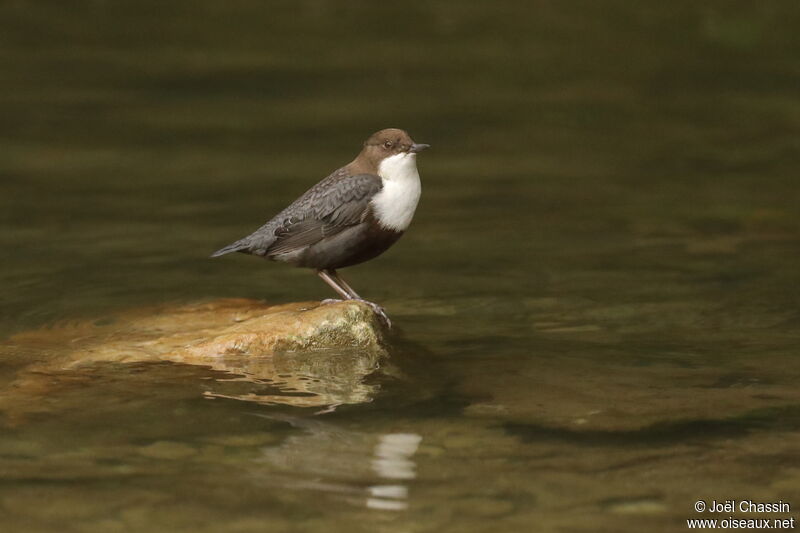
{"x": 352, "y": 216}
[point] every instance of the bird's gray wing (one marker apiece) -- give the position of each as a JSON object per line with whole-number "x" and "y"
{"x": 324, "y": 211}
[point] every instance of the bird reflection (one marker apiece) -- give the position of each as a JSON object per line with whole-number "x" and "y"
{"x": 373, "y": 471}
{"x": 392, "y": 459}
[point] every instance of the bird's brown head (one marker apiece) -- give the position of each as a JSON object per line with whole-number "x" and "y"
{"x": 388, "y": 142}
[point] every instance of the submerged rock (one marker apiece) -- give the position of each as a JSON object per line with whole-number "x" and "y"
{"x": 317, "y": 354}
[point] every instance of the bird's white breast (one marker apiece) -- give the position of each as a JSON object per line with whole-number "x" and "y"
{"x": 395, "y": 204}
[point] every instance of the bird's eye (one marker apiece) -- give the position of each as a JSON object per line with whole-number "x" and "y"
{"x": 387, "y": 144}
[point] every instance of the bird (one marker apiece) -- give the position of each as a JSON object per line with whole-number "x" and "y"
{"x": 355, "y": 214}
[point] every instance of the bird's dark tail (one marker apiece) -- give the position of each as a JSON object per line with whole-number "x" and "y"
{"x": 238, "y": 246}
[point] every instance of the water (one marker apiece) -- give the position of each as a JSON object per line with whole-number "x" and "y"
{"x": 598, "y": 298}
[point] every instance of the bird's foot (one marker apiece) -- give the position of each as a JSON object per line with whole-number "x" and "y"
{"x": 380, "y": 311}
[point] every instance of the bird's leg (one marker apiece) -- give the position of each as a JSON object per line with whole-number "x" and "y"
{"x": 327, "y": 278}
{"x": 344, "y": 290}
{"x": 342, "y": 283}
{"x": 380, "y": 311}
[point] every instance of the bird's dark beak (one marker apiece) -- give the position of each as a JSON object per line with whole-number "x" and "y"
{"x": 416, "y": 148}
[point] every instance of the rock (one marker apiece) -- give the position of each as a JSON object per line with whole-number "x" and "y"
{"x": 322, "y": 352}
{"x": 192, "y": 332}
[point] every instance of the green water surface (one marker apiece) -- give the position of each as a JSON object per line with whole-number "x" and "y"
{"x": 597, "y": 302}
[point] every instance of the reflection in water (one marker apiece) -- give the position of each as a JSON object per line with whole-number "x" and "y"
{"x": 359, "y": 468}
{"x": 324, "y": 378}
{"x": 393, "y": 460}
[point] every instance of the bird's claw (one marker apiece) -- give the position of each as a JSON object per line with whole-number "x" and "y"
{"x": 380, "y": 311}
{"x": 377, "y": 309}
